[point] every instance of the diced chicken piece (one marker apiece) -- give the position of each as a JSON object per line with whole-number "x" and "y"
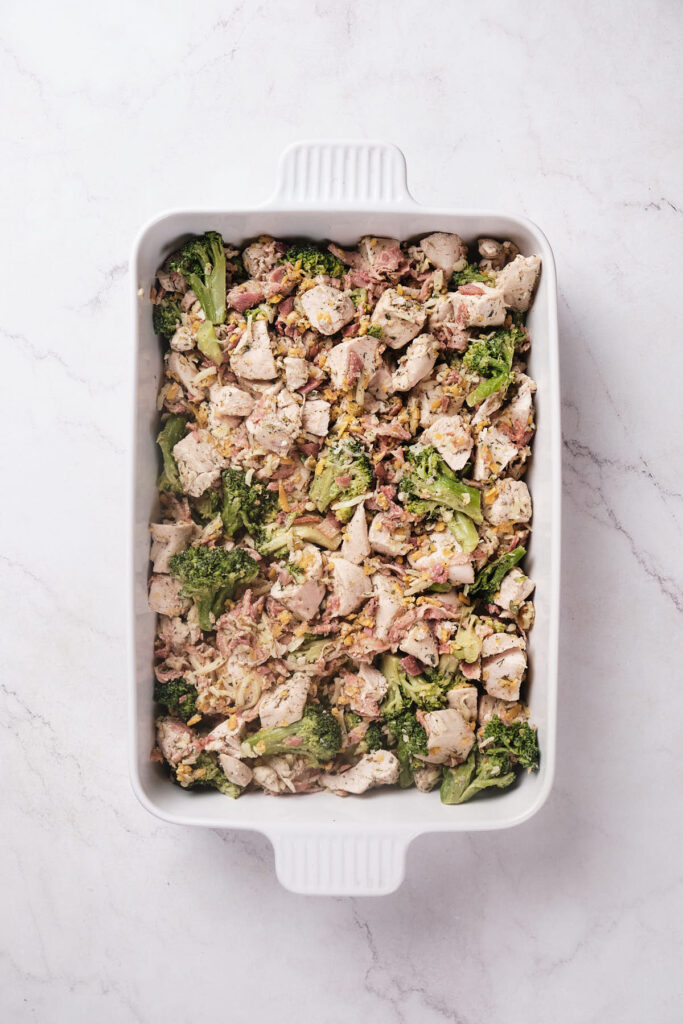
{"x": 327, "y": 308}
{"x": 165, "y": 597}
{"x": 516, "y": 282}
{"x": 514, "y": 589}
{"x": 349, "y": 359}
{"x": 518, "y": 415}
{"x": 350, "y": 585}
{"x": 178, "y": 633}
{"x": 487, "y": 408}
{"x": 419, "y": 641}
{"x": 168, "y": 539}
{"x": 399, "y": 316}
{"x": 356, "y": 546}
{"x": 260, "y": 257}
{"x": 503, "y": 665}
{"x": 427, "y": 778}
{"x": 303, "y": 597}
{"x": 379, "y": 768}
{"x": 494, "y": 452}
{"x": 230, "y": 401}
{"x": 450, "y": 736}
{"x": 296, "y": 372}
{"x": 276, "y": 421}
{"x": 389, "y": 603}
{"x": 452, "y": 440}
{"x": 508, "y": 711}
{"x": 464, "y": 700}
{"x": 380, "y": 385}
{"x": 479, "y": 306}
{"x": 492, "y": 253}
{"x": 182, "y": 340}
{"x": 226, "y": 738}
{"x": 365, "y": 690}
{"x": 439, "y": 555}
{"x": 253, "y": 359}
{"x": 389, "y": 536}
{"x": 289, "y": 774}
{"x": 507, "y": 501}
{"x": 315, "y": 418}
{"x": 171, "y": 281}
{"x": 235, "y": 770}
{"x": 199, "y": 462}
{"x": 176, "y": 741}
{"x": 445, "y": 251}
{"x": 285, "y": 704}
{"x": 179, "y": 368}
{"x": 417, "y": 362}
{"x": 382, "y": 254}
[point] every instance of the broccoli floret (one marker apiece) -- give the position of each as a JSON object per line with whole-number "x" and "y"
{"x": 375, "y": 331}
{"x": 207, "y": 506}
{"x": 464, "y": 531}
{"x": 178, "y": 697}
{"x": 518, "y": 739}
{"x": 345, "y": 459}
{"x": 490, "y": 357}
{"x": 172, "y": 431}
{"x": 479, "y": 771}
{"x": 470, "y": 274}
{"x": 358, "y": 296}
{"x": 313, "y": 260}
{"x": 318, "y": 730}
{"x": 264, "y": 311}
{"x": 206, "y": 772}
{"x": 312, "y": 650}
{"x": 208, "y": 343}
{"x": 489, "y": 578}
{"x": 246, "y": 505}
{"x": 424, "y": 690}
{"x": 211, "y": 576}
{"x": 393, "y": 703}
{"x": 166, "y": 317}
{"x": 201, "y": 261}
{"x": 374, "y": 739}
{"x": 411, "y": 741}
{"x": 429, "y": 485}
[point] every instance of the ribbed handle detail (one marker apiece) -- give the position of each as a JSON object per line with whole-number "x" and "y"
{"x": 343, "y": 172}
{"x": 339, "y": 863}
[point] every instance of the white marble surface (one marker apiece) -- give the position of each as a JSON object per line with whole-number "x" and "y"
{"x": 568, "y": 113}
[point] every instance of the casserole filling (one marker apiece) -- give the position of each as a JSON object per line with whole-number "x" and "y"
{"x": 337, "y": 562}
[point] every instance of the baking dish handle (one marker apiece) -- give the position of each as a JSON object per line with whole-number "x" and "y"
{"x": 340, "y": 862}
{"x": 341, "y": 173}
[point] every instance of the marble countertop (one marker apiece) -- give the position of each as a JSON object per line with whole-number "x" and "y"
{"x": 560, "y": 112}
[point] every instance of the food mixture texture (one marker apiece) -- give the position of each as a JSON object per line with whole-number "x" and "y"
{"x": 337, "y": 559}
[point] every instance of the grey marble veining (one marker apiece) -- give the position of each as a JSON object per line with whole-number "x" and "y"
{"x": 569, "y": 114}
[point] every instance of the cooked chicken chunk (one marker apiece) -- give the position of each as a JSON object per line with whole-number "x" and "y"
{"x": 507, "y": 501}
{"x": 365, "y": 690}
{"x": 276, "y": 421}
{"x": 514, "y": 589}
{"x": 230, "y": 400}
{"x": 399, "y": 316}
{"x": 479, "y": 306}
{"x": 382, "y": 254}
{"x": 315, "y": 417}
{"x": 503, "y": 665}
{"x": 516, "y": 282}
{"x": 416, "y": 364}
{"x": 253, "y": 359}
{"x": 327, "y": 308}
{"x": 261, "y": 257}
{"x": 285, "y": 704}
{"x": 179, "y": 367}
{"x": 167, "y": 540}
{"x": 388, "y": 535}
{"x": 495, "y": 451}
{"x": 199, "y": 462}
{"x": 297, "y": 371}
{"x": 464, "y": 700}
{"x": 176, "y": 741}
{"x": 350, "y": 585}
{"x": 235, "y": 770}
{"x": 440, "y": 557}
{"x": 304, "y": 595}
{"x": 419, "y": 641}
{"x": 226, "y": 738}
{"x": 508, "y": 711}
{"x": 380, "y": 768}
{"x": 182, "y": 340}
{"x": 349, "y": 359}
{"x": 356, "y": 546}
{"x": 445, "y": 251}
{"x": 450, "y": 735}
{"x": 165, "y": 597}
{"x": 389, "y": 603}
{"x": 452, "y": 440}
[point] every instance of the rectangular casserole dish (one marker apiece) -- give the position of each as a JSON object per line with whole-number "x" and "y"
{"x": 323, "y": 844}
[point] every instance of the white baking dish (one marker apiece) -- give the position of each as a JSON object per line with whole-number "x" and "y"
{"x": 324, "y": 844}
